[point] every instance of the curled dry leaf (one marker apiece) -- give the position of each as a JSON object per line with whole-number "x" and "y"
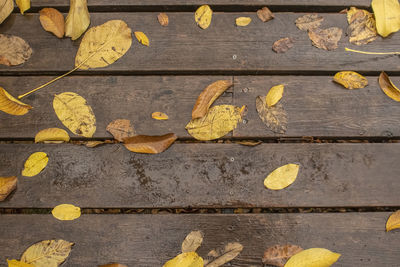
{"x": 309, "y": 22}
{"x": 66, "y": 212}
{"x": 47, "y": 253}
{"x": 393, "y": 222}
{"x": 282, "y": 45}
{"x": 248, "y": 143}
{"x": 73, "y": 111}
{"x": 192, "y": 241}
{"x": 274, "y": 95}
{"x": 243, "y": 21}
{"x": 52, "y": 135}
{"x": 221, "y": 256}
{"x": 275, "y": 118}
{"x": 278, "y": 255}
{"x": 92, "y": 144}
{"x": 163, "y": 19}
{"x": 387, "y": 15}
{"x": 350, "y": 79}
{"x": 142, "y": 38}
{"x": 149, "y": 144}
{"x": 208, "y": 96}
{"x": 121, "y": 129}
{"x": 113, "y": 265}
{"x": 313, "y": 257}
{"x": 362, "y": 29}
{"x": 7, "y": 7}
{"x": 388, "y": 87}
{"x": 35, "y": 164}
{"x": 264, "y": 14}
{"x": 52, "y": 21}
{"x": 203, "y": 16}
{"x": 7, "y": 185}
{"x": 161, "y": 116}
{"x": 326, "y": 39}
{"x": 12, "y": 106}
{"x": 78, "y": 19}
{"x": 23, "y": 5}
{"x": 13, "y": 50}
{"x": 282, "y": 177}
{"x": 15, "y": 263}
{"x": 188, "y": 259}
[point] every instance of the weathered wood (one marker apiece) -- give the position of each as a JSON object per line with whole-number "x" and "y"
{"x": 205, "y": 175}
{"x": 151, "y": 240}
{"x": 184, "y": 47}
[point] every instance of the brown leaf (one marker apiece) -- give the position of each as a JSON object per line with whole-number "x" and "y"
{"x": 388, "y": 87}
{"x": 219, "y": 257}
{"x": 275, "y": 117}
{"x": 264, "y": 14}
{"x": 282, "y": 45}
{"x": 52, "y": 21}
{"x": 163, "y": 19}
{"x": 121, "y": 129}
{"x": 309, "y": 22}
{"x": 192, "y": 241}
{"x": 248, "y": 143}
{"x": 113, "y": 265}
{"x": 278, "y": 255}
{"x": 208, "y": 96}
{"x": 149, "y": 144}
{"x": 325, "y": 39}
{"x": 362, "y": 29}
{"x": 13, "y": 50}
{"x": 7, "y": 185}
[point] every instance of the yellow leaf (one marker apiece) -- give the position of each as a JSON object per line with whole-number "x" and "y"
{"x": 203, "y": 16}
{"x": 52, "y": 134}
{"x": 243, "y": 21}
{"x": 362, "y": 29}
{"x": 387, "y": 16}
{"x": 192, "y": 241}
{"x": 159, "y": 116}
{"x": 78, "y": 19}
{"x": 274, "y": 95}
{"x": 73, "y": 111}
{"x": 142, "y": 38}
{"x": 12, "y": 106}
{"x": 66, "y": 212}
{"x": 7, "y": 7}
{"x": 35, "y": 164}
{"x": 282, "y": 177}
{"x": 23, "y": 5}
{"x": 7, "y": 185}
{"x": 313, "y": 257}
{"x": 393, "y": 222}
{"x": 163, "y": 19}
{"x": 350, "y": 79}
{"x": 388, "y": 87}
{"x": 188, "y": 259}
{"x": 218, "y": 121}
{"x": 15, "y": 263}
{"x": 219, "y": 257}
{"x": 47, "y": 253}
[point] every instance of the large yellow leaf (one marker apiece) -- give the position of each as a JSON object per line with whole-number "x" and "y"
{"x": 52, "y": 135}
{"x": 103, "y": 45}
{"x": 47, "y": 253}
{"x": 394, "y": 221}
{"x": 35, "y": 164}
{"x": 313, "y": 257}
{"x": 78, "y": 19}
{"x": 388, "y": 87}
{"x": 7, "y": 7}
{"x": 7, "y": 185}
{"x": 274, "y": 95}
{"x": 23, "y": 5}
{"x": 387, "y": 16}
{"x": 188, "y": 259}
{"x": 66, "y": 212}
{"x": 75, "y": 113}
{"x": 15, "y": 263}
{"x": 282, "y": 177}
{"x": 142, "y": 38}
{"x": 203, "y": 16}
{"x": 192, "y": 241}
{"x": 11, "y": 105}
{"x": 350, "y": 79}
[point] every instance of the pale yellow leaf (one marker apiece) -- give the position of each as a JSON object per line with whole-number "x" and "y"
{"x": 7, "y": 7}
{"x": 35, "y": 164}
{"x": 203, "y": 16}
{"x": 15, "y": 263}
{"x": 243, "y": 21}
{"x": 192, "y": 241}
{"x": 274, "y": 95}
{"x": 313, "y": 257}
{"x": 78, "y": 19}
{"x": 282, "y": 177}
{"x": 388, "y": 87}
{"x": 219, "y": 257}
{"x": 23, "y": 5}
{"x": 52, "y": 134}
{"x": 387, "y": 16}
{"x": 7, "y": 185}
{"x": 142, "y": 38}
{"x": 66, "y": 212}
{"x": 188, "y": 259}
{"x": 394, "y": 221}
{"x": 11, "y": 105}
{"x": 159, "y": 115}
{"x": 350, "y": 79}
{"x": 13, "y": 50}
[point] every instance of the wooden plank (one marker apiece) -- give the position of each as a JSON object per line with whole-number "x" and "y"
{"x": 184, "y": 47}
{"x": 316, "y": 106}
{"x": 151, "y": 240}
{"x": 205, "y": 175}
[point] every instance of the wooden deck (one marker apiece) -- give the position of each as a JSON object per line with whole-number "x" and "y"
{"x": 345, "y": 141}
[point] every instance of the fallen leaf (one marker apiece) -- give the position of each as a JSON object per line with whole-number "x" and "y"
{"x": 66, "y": 212}
{"x": 13, "y": 50}
{"x": 274, "y": 95}
{"x": 326, "y": 39}
{"x": 282, "y": 177}
{"x": 73, "y": 111}
{"x": 7, "y": 7}
{"x": 393, "y": 222}
{"x": 47, "y": 253}
{"x": 52, "y": 21}
{"x": 218, "y": 121}
{"x": 35, "y": 164}
{"x": 78, "y": 19}
{"x": 52, "y": 135}
{"x": 243, "y": 21}
{"x": 264, "y": 14}
{"x": 92, "y": 144}
{"x": 309, "y": 22}
{"x": 7, "y": 185}
{"x": 221, "y": 256}
{"x": 12, "y": 106}
{"x": 142, "y": 38}
{"x": 387, "y": 15}
{"x": 23, "y": 5}
{"x": 163, "y": 19}
{"x": 275, "y": 118}
{"x": 282, "y": 45}
{"x": 149, "y": 144}
{"x": 203, "y": 16}
{"x": 159, "y": 116}
{"x": 15, "y": 263}
{"x": 313, "y": 257}
{"x": 362, "y": 29}
{"x": 388, "y": 87}
{"x": 278, "y": 255}
{"x": 121, "y": 129}
{"x": 113, "y": 265}
{"x": 350, "y": 79}
{"x": 248, "y": 143}
{"x": 192, "y": 241}
{"x": 208, "y": 96}
{"x": 188, "y": 259}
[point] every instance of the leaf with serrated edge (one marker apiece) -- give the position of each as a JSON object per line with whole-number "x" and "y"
{"x": 52, "y": 135}
{"x": 393, "y": 222}
{"x": 16, "y": 263}
{"x": 278, "y": 255}
{"x": 350, "y": 79}
{"x": 313, "y": 257}
{"x": 11, "y": 105}
{"x": 78, "y": 19}
{"x": 222, "y": 256}
{"x": 203, "y": 16}
{"x": 274, "y": 95}
{"x": 282, "y": 177}
{"x": 142, "y": 38}
{"x": 243, "y": 21}
{"x": 149, "y": 144}
{"x": 192, "y": 241}
{"x": 47, "y": 253}
{"x": 387, "y": 16}
{"x": 52, "y": 21}
{"x": 7, "y": 7}
{"x": 7, "y": 185}
{"x": 388, "y": 87}
{"x": 35, "y": 164}
{"x": 188, "y": 259}
{"x": 66, "y": 212}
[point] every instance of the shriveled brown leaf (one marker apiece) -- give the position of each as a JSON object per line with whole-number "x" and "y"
{"x": 52, "y": 21}
{"x": 350, "y": 79}
{"x": 192, "y": 241}
{"x": 149, "y": 144}
{"x": 264, "y": 14}
{"x": 163, "y": 19}
{"x": 208, "y": 96}
{"x": 309, "y": 22}
{"x": 11, "y": 105}
{"x": 13, "y": 50}
{"x": 7, "y": 185}
{"x": 326, "y": 39}
{"x": 282, "y": 45}
{"x": 219, "y": 257}
{"x": 248, "y": 143}
{"x": 121, "y": 129}
{"x": 362, "y": 28}
{"x": 393, "y": 221}
{"x": 278, "y": 255}
{"x": 113, "y": 265}
{"x": 388, "y": 87}
{"x": 6, "y": 8}
{"x": 275, "y": 117}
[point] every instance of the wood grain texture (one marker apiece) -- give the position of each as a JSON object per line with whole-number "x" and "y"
{"x": 183, "y": 46}
{"x": 205, "y": 175}
{"x": 151, "y": 240}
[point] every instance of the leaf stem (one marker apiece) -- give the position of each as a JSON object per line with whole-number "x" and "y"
{"x": 372, "y": 53}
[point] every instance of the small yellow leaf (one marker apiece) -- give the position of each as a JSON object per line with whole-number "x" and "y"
{"x": 387, "y": 16}
{"x": 78, "y": 19}
{"x": 142, "y": 38}
{"x": 274, "y": 95}
{"x": 7, "y": 185}
{"x": 282, "y": 177}
{"x": 15, "y": 263}
{"x": 52, "y": 135}
{"x": 350, "y": 79}
{"x": 243, "y": 21}
{"x": 188, "y": 259}
{"x": 35, "y": 164}
{"x": 393, "y": 222}
{"x": 313, "y": 257}
{"x": 192, "y": 241}
{"x": 388, "y": 87}
{"x": 203, "y": 16}
{"x": 23, "y": 5}
{"x": 163, "y": 19}
{"x": 66, "y": 212}
{"x": 159, "y": 116}
{"x": 11, "y": 105}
